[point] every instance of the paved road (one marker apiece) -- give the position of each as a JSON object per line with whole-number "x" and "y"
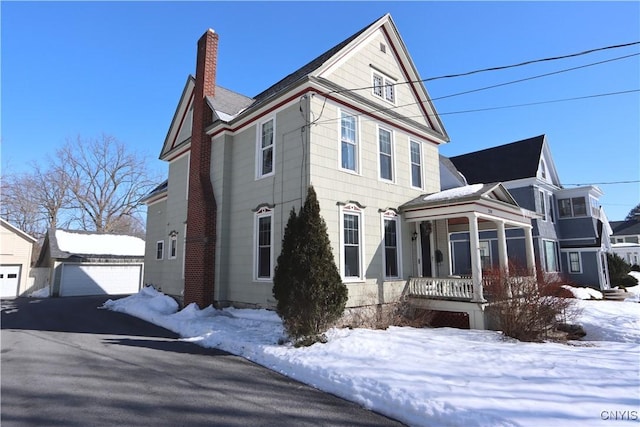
{"x": 66, "y": 363}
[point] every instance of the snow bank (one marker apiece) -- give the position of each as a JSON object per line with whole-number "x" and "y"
{"x": 434, "y": 377}
{"x": 40, "y": 293}
{"x": 99, "y": 244}
{"x": 584, "y": 293}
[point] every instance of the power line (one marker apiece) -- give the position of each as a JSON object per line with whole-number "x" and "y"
{"x": 553, "y": 58}
{"x": 502, "y": 67}
{"x": 541, "y": 102}
{"x": 494, "y": 108}
{"x": 607, "y": 183}
{"x": 533, "y": 77}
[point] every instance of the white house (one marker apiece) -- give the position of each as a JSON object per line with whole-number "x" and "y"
{"x": 358, "y": 124}
{"x": 16, "y": 248}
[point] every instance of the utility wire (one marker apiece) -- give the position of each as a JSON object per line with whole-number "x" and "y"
{"x": 502, "y": 67}
{"x": 533, "y": 77}
{"x": 541, "y": 102}
{"x": 499, "y": 107}
{"x": 383, "y": 109}
{"x": 553, "y": 58}
{"x": 606, "y": 183}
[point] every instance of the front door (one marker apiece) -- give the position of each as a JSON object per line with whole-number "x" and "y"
{"x": 425, "y": 244}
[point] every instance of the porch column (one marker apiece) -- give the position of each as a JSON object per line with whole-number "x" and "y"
{"x": 415, "y": 236}
{"x": 476, "y": 262}
{"x": 528, "y": 243}
{"x": 502, "y": 248}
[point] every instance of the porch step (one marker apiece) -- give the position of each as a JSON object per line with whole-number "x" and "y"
{"x": 616, "y": 294}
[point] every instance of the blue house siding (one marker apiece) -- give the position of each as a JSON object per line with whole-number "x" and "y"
{"x": 516, "y": 251}
{"x": 590, "y": 275}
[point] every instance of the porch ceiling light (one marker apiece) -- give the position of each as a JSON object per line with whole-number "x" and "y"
{"x": 414, "y": 236}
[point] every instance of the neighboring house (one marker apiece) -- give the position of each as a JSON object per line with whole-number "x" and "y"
{"x": 86, "y": 263}
{"x": 625, "y": 240}
{"x": 16, "y": 248}
{"x": 358, "y": 124}
{"x": 571, "y": 232}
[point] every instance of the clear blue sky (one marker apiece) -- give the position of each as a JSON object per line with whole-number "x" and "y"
{"x": 84, "y": 68}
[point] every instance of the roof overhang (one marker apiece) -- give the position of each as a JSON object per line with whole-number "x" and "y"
{"x": 488, "y": 202}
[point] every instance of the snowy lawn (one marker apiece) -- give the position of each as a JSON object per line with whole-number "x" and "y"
{"x": 438, "y": 377}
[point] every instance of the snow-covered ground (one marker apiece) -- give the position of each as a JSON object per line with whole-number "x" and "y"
{"x": 438, "y": 377}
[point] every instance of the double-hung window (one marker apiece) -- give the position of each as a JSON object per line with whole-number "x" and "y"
{"x": 543, "y": 205}
{"x": 263, "y": 238}
{"x": 391, "y": 232}
{"x": 159, "y": 249}
{"x": 266, "y": 148}
{"x": 416, "y": 164}
{"x": 348, "y": 142}
{"x": 351, "y": 242}
{"x": 173, "y": 247}
{"x": 575, "y": 265}
{"x": 385, "y": 145}
{"x": 550, "y": 256}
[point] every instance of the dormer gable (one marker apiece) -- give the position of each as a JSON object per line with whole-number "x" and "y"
{"x": 547, "y": 171}
{"x": 179, "y": 135}
{"x": 375, "y": 68}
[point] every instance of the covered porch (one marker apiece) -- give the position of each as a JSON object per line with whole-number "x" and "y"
{"x": 473, "y": 209}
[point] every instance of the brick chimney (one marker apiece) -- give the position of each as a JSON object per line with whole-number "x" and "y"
{"x": 200, "y": 248}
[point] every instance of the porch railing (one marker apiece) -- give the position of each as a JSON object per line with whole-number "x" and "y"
{"x": 441, "y": 287}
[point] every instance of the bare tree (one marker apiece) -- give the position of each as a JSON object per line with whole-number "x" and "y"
{"x": 19, "y": 206}
{"x": 106, "y": 183}
{"x": 90, "y": 184}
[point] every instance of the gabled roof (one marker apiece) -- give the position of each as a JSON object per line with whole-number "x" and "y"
{"x": 517, "y": 160}
{"x": 64, "y": 244}
{"x": 156, "y": 192}
{"x": 17, "y": 231}
{"x": 468, "y": 193}
{"x": 227, "y": 103}
{"x": 625, "y": 228}
{"x": 308, "y": 68}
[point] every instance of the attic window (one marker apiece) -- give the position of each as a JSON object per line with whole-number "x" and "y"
{"x": 383, "y": 48}
{"x": 384, "y": 87}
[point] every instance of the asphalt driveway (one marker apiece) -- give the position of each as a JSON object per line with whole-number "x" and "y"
{"x": 65, "y": 362}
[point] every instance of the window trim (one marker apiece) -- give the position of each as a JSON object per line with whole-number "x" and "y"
{"x": 572, "y": 210}
{"x": 388, "y": 86}
{"x": 542, "y": 199}
{"x": 555, "y": 252}
{"x": 173, "y": 247}
{"x": 260, "y": 149}
{"x": 411, "y": 164}
{"x": 570, "y": 262}
{"x": 160, "y": 250}
{"x": 352, "y": 209}
{"x": 392, "y": 155}
{"x": 356, "y": 157}
{"x": 390, "y": 215}
{"x": 263, "y": 212}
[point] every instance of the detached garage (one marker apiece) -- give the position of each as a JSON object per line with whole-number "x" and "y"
{"x": 16, "y": 247}
{"x": 83, "y": 263}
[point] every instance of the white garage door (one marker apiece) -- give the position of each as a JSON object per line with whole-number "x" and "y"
{"x": 9, "y": 278}
{"x": 91, "y": 279}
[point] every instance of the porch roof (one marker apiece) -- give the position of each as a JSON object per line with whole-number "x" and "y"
{"x": 486, "y": 201}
